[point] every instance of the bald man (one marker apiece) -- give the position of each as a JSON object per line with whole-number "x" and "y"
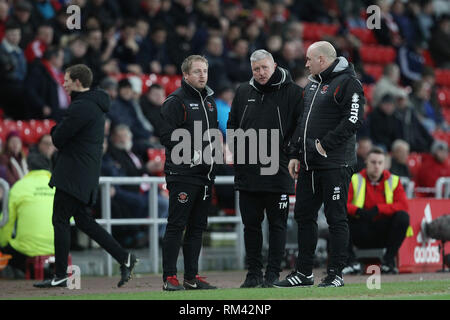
{"x": 324, "y": 146}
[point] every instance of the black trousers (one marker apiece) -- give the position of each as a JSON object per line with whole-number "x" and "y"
{"x": 188, "y": 211}
{"x": 18, "y": 259}
{"x": 387, "y": 232}
{"x": 329, "y": 187}
{"x": 252, "y": 206}
{"x": 66, "y": 206}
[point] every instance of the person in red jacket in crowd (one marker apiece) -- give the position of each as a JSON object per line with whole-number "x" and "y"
{"x": 43, "y": 39}
{"x": 377, "y": 212}
{"x": 433, "y": 167}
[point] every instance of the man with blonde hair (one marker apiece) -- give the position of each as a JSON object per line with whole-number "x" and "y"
{"x": 189, "y": 184}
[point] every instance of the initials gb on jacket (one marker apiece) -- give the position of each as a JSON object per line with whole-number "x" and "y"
{"x": 354, "y": 109}
{"x": 336, "y": 193}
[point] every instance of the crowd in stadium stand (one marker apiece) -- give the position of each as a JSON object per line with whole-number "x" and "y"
{"x": 135, "y": 49}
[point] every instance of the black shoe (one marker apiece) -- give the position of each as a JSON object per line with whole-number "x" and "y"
{"x": 172, "y": 284}
{"x": 198, "y": 283}
{"x": 352, "y": 268}
{"x": 126, "y": 269}
{"x": 52, "y": 283}
{"x": 252, "y": 281}
{"x": 269, "y": 280}
{"x": 389, "y": 269}
{"x": 295, "y": 279}
{"x": 332, "y": 280}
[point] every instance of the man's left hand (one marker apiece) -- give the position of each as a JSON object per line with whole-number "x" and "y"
{"x": 320, "y": 149}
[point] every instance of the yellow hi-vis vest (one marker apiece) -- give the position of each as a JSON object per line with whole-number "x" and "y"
{"x": 359, "y": 189}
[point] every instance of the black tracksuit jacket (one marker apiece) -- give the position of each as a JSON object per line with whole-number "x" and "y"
{"x": 333, "y": 108}
{"x": 184, "y": 106}
{"x": 274, "y": 106}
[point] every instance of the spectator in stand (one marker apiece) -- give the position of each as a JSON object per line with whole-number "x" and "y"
{"x": 362, "y": 151}
{"x": 238, "y": 63}
{"x": 103, "y": 10}
{"x": 133, "y": 166}
{"x": 412, "y": 130}
{"x": 153, "y": 12}
{"x": 428, "y": 113}
{"x": 179, "y": 44}
{"x": 98, "y": 55}
{"x": 151, "y": 103}
{"x": 294, "y": 31}
{"x": 429, "y": 76}
{"x": 13, "y": 69}
{"x": 75, "y": 50}
{"x": 377, "y": 212}
{"x": 29, "y": 230}
{"x": 433, "y": 167}
{"x": 411, "y": 61}
{"x": 123, "y": 111}
{"x": 39, "y": 45}
{"x": 292, "y": 56}
{"x": 425, "y": 20}
{"x": 46, "y": 148}
{"x": 13, "y": 158}
{"x": 44, "y": 85}
{"x": 4, "y": 11}
{"x": 127, "y": 49}
{"x": 440, "y": 42}
{"x": 110, "y": 85}
{"x": 153, "y": 54}
{"x": 255, "y": 36}
{"x": 22, "y": 16}
{"x": 217, "y": 74}
{"x": 388, "y": 84}
{"x": 45, "y": 10}
{"x": 389, "y": 33}
{"x": 406, "y": 20}
{"x": 383, "y": 125}
{"x": 399, "y": 158}
{"x": 127, "y": 236}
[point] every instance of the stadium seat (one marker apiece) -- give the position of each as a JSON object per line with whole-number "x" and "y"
{"x": 442, "y": 77}
{"x": 428, "y": 59}
{"x": 315, "y": 31}
{"x": 377, "y": 54}
{"x": 414, "y": 163}
{"x": 38, "y": 264}
{"x": 443, "y": 95}
{"x": 368, "y": 92}
{"x": 375, "y": 70}
{"x": 365, "y": 35}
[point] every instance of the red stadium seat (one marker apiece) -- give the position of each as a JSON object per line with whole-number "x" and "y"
{"x": 377, "y": 54}
{"x": 315, "y": 31}
{"x": 414, "y": 163}
{"x": 443, "y": 95}
{"x": 442, "y": 77}
{"x": 428, "y": 59}
{"x": 368, "y": 92}
{"x": 375, "y": 70}
{"x": 38, "y": 264}
{"x": 365, "y": 35}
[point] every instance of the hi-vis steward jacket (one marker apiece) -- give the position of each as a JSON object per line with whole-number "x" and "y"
{"x": 387, "y": 194}
{"x": 333, "y": 111}
{"x": 31, "y": 206}
{"x": 181, "y": 110}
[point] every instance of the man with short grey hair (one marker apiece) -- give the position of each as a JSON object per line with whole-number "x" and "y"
{"x": 270, "y": 101}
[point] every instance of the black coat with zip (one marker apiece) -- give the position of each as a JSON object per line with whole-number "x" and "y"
{"x": 333, "y": 112}
{"x": 274, "y": 106}
{"x": 79, "y": 139}
{"x": 180, "y": 110}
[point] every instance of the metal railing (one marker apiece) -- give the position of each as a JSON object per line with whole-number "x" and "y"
{"x": 153, "y": 221}
{"x": 443, "y": 188}
{"x": 4, "y": 214}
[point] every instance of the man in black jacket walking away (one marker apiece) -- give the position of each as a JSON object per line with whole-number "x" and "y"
{"x": 79, "y": 139}
{"x": 191, "y": 110}
{"x": 325, "y": 141}
{"x": 269, "y": 101}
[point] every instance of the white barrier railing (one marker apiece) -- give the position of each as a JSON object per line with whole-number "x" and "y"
{"x": 153, "y": 221}
{"x": 443, "y": 188}
{"x": 4, "y": 214}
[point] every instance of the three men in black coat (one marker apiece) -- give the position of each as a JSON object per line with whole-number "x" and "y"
{"x": 79, "y": 139}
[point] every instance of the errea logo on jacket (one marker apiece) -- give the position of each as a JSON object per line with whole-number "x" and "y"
{"x": 354, "y": 110}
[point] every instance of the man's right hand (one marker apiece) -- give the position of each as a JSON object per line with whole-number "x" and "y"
{"x": 293, "y": 168}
